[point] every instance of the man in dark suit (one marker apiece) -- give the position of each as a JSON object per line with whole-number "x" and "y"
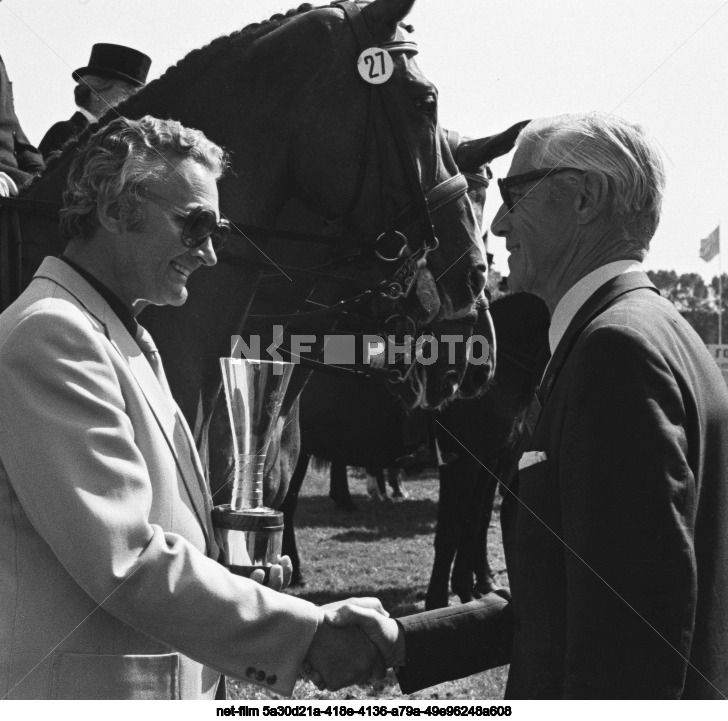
{"x": 615, "y": 523}
{"x": 19, "y": 160}
{"x": 113, "y": 73}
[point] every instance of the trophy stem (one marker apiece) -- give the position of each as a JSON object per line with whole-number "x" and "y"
{"x": 248, "y": 483}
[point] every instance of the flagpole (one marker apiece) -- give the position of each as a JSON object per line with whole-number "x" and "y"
{"x": 720, "y": 293}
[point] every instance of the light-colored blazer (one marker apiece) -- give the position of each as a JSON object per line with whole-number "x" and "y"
{"x": 108, "y": 587}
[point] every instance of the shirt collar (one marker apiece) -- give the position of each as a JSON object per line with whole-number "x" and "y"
{"x": 580, "y": 292}
{"x": 122, "y": 312}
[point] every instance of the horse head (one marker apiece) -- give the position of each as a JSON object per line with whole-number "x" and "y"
{"x": 370, "y": 162}
{"x": 473, "y": 157}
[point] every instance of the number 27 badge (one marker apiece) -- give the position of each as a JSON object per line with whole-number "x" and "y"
{"x": 375, "y": 66}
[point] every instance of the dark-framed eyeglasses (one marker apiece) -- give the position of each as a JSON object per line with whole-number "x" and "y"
{"x": 505, "y": 184}
{"x": 200, "y": 223}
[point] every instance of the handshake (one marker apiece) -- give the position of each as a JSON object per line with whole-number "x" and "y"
{"x": 356, "y": 642}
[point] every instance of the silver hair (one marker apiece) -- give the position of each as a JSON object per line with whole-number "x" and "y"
{"x": 120, "y": 159}
{"x": 622, "y": 150}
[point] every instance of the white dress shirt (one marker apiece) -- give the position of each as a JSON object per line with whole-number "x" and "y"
{"x": 578, "y": 294}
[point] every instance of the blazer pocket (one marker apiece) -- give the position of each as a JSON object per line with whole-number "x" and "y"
{"x": 535, "y": 473}
{"x": 106, "y": 677}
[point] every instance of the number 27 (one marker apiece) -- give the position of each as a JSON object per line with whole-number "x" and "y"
{"x": 371, "y": 62}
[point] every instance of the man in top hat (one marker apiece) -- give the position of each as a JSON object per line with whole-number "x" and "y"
{"x": 113, "y": 73}
{"x": 19, "y": 160}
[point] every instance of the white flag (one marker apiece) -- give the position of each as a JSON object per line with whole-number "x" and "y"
{"x": 710, "y": 246}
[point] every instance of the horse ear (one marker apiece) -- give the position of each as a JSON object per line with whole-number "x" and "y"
{"x": 472, "y": 154}
{"x": 383, "y": 16}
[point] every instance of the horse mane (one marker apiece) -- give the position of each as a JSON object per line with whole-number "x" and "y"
{"x": 196, "y": 62}
{"x": 201, "y": 59}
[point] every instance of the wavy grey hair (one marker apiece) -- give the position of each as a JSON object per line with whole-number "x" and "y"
{"x": 120, "y": 159}
{"x": 622, "y": 150}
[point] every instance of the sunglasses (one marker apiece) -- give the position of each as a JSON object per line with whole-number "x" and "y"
{"x": 505, "y": 184}
{"x": 199, "y": 223}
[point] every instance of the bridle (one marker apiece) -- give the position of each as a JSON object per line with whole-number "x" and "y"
{"x": 391, "y": 245}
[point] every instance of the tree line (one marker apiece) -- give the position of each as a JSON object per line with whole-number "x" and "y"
{"x": 695, "y": 300}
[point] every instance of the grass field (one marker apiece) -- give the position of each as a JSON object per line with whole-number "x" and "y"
{"x": 384, "y": 549}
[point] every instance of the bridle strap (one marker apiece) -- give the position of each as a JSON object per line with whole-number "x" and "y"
{"x": 365, "y": 40}
{"x": 435, "y": 198}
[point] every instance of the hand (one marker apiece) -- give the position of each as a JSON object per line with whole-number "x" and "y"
{"x": 339, "y": 657}
{"x": 384, "y": 632}
{"x": 7, "y": 186}
{"x": 364, "y": 602}
{"x": 279, "y": 576}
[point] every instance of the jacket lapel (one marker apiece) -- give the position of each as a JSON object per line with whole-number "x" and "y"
{"x": 598, "y": 302}
{"x": 165, "y": 410}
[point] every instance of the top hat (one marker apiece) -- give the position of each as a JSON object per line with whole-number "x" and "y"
{"x": 116, "y": 62}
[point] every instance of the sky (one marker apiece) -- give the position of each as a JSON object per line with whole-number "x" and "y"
{"x": 663, "y": 63}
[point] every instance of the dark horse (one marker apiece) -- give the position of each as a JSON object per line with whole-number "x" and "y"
{"x": 359, "y": 423}
{"x": 477, "y": 434}
{"x": 366, "y": 165}
{"x": 355, "y": 422}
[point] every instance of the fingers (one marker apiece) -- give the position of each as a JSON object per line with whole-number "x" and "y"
{"x": 382, "y": 631}
{"x": 258, "y": 576}
{"x": 364, "y": 602}
{"x": 278, "y": 575}
{"x": 275, "y": 580}
{"x": 349, "y": 615}
{"x": 287, "y": 566}
{"x": 339, "y": 657}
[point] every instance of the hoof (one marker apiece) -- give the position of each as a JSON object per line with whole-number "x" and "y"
{"x": 465, "y": 593}
{"x": 490, "y": 585}
{"x": 435, "y": 599}
{"x": 400, "y": 496}
{"x": 297, "y": 580}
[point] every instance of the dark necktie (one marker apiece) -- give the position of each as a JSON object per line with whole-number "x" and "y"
{"x": 146, "y": 343}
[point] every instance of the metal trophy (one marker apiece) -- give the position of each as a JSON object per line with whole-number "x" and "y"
{"x": 251, "y": 534}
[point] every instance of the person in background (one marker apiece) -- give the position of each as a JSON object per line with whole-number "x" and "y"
{"x": 19, "y": 160}
{"x": 113, "y": 73}
{"x": 615, "y": 521}
{"x": 111, "y": 588}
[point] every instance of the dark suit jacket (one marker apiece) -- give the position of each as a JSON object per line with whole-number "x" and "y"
{"x": 60, "y": 132}
{"x": 18, "y": 158}
{"x": 617, "y": 544}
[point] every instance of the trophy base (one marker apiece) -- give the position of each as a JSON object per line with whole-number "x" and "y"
{"x": 251, "y": 538}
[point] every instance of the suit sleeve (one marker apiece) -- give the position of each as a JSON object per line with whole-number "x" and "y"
{"x": 86, "y": 490}
{"x": 628, "y": 505}
{"x": 29, "y": 158}
{"x": 455, "y": 642}
{"x": 54, "y": 138}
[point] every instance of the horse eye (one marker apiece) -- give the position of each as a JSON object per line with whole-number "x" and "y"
{"x": 427, "y": 104}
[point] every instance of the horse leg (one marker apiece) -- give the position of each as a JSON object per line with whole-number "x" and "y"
{"x": 288, "y": 507}
{"x": 470, "y": 557}
{"x": 454, "y": 496}
{"x": 485, "y": 581}
{"x": 339, "y": 487}
{"x": 396, "y": 483}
